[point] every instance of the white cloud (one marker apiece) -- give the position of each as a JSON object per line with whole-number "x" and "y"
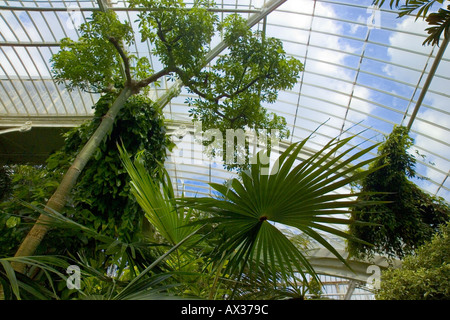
{"x": 326, "y": 56}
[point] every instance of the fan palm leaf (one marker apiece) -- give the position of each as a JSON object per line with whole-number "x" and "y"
{"x": 304, "y": 196}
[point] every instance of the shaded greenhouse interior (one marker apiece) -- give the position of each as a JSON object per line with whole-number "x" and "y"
{"x": 365, "y": 72}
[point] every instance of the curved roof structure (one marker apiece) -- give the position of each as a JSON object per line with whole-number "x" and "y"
{"x": 365, "y": 71}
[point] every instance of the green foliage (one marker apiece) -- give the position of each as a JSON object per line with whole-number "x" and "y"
{"x": 250, "y": 73}
{"x": 50, "y": 280}
{"x": 101, "y": 196}
{"x": 410, "y": 6}
{"x": 410, "y": 217}
{"x": 440, "y": 23}
{"x": 17, "y": 286}
{"x": 250, "y": 213}
{"x": 32, "y": 184}
{"x": 422, "y": 276}
{"x": 157, "y": 199}
{"x": 180, "y": 37}
{"x": 102, "y": 224}
{"x": 5, "y": 183}
{"x": 243, "y": 248}
{"x": 101, "y": 200}
{"x": 232, "y": 90}
{"x": 92, "y": 63}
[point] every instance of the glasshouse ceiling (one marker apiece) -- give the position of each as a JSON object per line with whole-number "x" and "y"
{"x": 365, "y": 71}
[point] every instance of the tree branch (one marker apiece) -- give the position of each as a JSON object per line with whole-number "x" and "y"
{"x": 231, "y": 95}
{"x": 220, "y": 114}
{"x": 126, "y": 61}
{"x": 162, "y": 37}
{"x": 145, "y": 82}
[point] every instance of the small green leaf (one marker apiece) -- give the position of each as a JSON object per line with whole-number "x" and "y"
{"x": 12, "y": 222}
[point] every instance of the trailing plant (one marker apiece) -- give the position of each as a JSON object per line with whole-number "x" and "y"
{"x": 101, "y": 197}
{"x": 408, "y": 217}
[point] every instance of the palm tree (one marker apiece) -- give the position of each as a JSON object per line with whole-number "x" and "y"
{"x": 304, "y": 196}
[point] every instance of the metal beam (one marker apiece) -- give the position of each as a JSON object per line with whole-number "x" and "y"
{"x": 91, "y": 9}
{"x": 324, "y": 262}
{"x": 351, "y": 288}
{"x": 265, "y": 11}
{"x": 430, "y": 77}
{"x": 46, "y": 121}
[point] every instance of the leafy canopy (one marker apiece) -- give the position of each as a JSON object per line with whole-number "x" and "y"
{"x": 248, "y": 74}
{"x": 180, "y": 35}
{"x": 92, "y": 63}
{"x": 231, "y": 91}
{"x": 102, "y": 194}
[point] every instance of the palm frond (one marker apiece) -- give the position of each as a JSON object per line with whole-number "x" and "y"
{"x": 409, "y": 6}
{"x": 20, "y": 285}
{"x": 422, "y": 7}
{"x": 140, "y": 286}
{"x": 440, "y": 23}
{"x": 157, "y": 199}
{"x": 392, "y": 3}
{"x": 303, "y": 196}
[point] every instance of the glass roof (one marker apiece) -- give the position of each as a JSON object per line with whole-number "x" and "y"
{"x": 365, "y": 70}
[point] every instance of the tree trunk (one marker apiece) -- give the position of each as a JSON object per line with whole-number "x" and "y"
{"x": 59, "y": 197}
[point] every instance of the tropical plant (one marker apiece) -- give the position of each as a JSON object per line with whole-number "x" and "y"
{"x": 439, "y": 21}
{"x": 137, "y": 275}
{"x": 407, "y": 217}
{"x": 102, "y": 36}
{"x": 172, "y": 223}
{"x": 251, "y": 72}
{"x": 99, "y": 62}
{"x": 304, "y": 196}
{"x": 254, "y": 285}
{"x": 101, "y": 197}
{"x": 157, "y": 199}
{"x": 32, "y": 184}
{"x": 422, "y": 276}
